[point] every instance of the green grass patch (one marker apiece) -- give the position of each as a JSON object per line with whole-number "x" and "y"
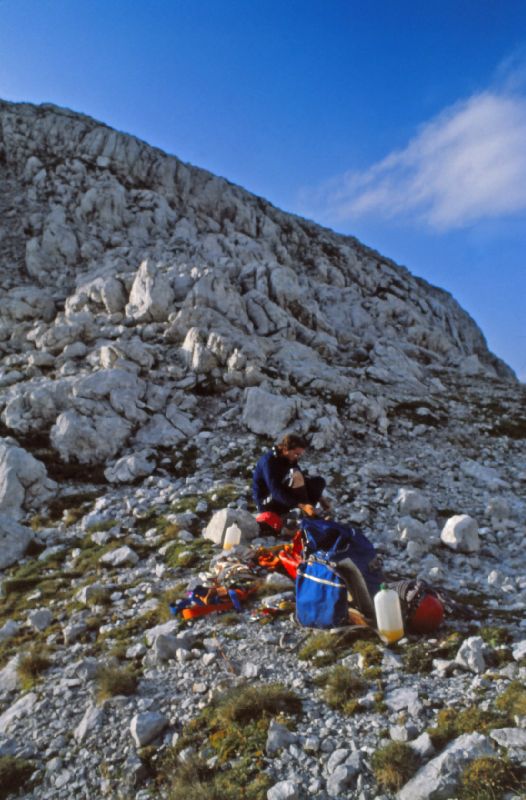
{"x": 190, "y": 554}
{"x": 31, "y": 667}
{"x": 234, "y": 728}
{"x": 324, "y": 648}
{"x": 343, "y": 687}
{"x": 393, "y": 765}
{"x": 418, "y": 657}
{"x": 489, "y": 778}
{"x": 102, "y": 527}
{"x": 132, "y": 627}
{"x": 371, "y": 654}
{"x": 113, "y": 681}
{"x": 453, "y": 722}
{"x": 513, "y": 700}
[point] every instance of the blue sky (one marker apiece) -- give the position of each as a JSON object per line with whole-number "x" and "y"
{"x": 400, "y": 122}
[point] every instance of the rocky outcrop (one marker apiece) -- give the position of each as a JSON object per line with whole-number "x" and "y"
{"x": 116, "y": 256}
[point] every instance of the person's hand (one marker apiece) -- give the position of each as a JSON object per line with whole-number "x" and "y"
{"x": 307, "y": 509}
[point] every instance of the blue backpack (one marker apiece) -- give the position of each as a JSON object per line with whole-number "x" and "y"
{"x": 337, "y": 558}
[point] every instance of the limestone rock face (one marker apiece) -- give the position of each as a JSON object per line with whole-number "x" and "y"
{"x": 126, "y": 275}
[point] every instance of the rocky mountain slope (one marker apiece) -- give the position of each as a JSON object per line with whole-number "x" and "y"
{"x": 159, "y": 326}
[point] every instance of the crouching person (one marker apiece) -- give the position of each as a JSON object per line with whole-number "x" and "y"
{"x": 280, "y": 485}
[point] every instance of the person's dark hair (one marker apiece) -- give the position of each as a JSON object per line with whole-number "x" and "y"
{"x": 291, "y": 441}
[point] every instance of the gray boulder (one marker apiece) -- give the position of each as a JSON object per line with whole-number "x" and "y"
{"x": 21, "y": 708}
{"x": 24, "y": 484}
{"x": 284, "y": 790}
{"x": 267, "y": 413}
{"x": 438, "y": 779}
{"x": 410, "y": 502}
{"x": 128, "y": 468}
{"x": 279, "y": 737}
{"x": 9, "y": 679}
{"x": 89, "y": 439}
{"x": 344, "y": 775}
{"x": 147, "y": 726}
{"x": 121, "y": 557}
{"x": 14, "y": 541}
{"x": 92, "y": 720}
{"x": 40, "y": 618}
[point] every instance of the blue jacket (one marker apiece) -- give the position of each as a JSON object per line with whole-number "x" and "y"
{"x": 269, "y": 480}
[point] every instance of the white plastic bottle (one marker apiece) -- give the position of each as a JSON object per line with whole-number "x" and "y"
{"x": 232, "y": 537}
{"x": 388, "y": 615}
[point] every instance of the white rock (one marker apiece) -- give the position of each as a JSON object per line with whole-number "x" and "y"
{"x": 496, "y": 578}
{"x": 147, "y": 726}
{"x": 166, "y": 647}
{"x": 407, "y": 698}
{"x": 461, "y": 533}
{"x": 89, "y": 440}
{"x": 9, "y": 679}
{"x": 412, "y": 503}
{"x": 217, "y": 527}
{"x": 486, "y": 476}
{"x": 471, "y": 654}
{"x": 128, "y": 468}
{"x": 136, "y": 650}
{"x": 283, "y": 790}
{"x": 24, "y": 484}
{"x": 40, "y": 619}
{"x": 412, "y": 530}
{"x": 73, "y": 631}
{"x": 167, "y": 628}
{"x": 423, "y": 746}
{"x": 8, "y": 630}
{"x": 278, "y": 738}
{"x": 87, "y": 593}
{"x": 14, "y": 541}
{"x": 510, "y": 737}
{"x": 92, "y": 720}
{"x": 121, "y": 557}
{"x": 519, "y": 650}
{"x": 344, "y": 776}
{"x": 438, "y": 779}
{"x": 198, "y": 356}
{"x": 22, "y": 708}
{"x": 267, "y": 413}
{"x": 336, "y": 758}
{"x": 159, "y": 432}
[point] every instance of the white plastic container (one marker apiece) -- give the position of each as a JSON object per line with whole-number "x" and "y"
{"x": 232, "y": 537}
{"x": 388, "y": 615}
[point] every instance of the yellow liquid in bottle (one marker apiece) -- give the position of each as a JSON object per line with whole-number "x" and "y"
{"x": 391, "y": 636}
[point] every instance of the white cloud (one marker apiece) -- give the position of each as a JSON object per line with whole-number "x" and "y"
{"x": 467, "y": 164}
